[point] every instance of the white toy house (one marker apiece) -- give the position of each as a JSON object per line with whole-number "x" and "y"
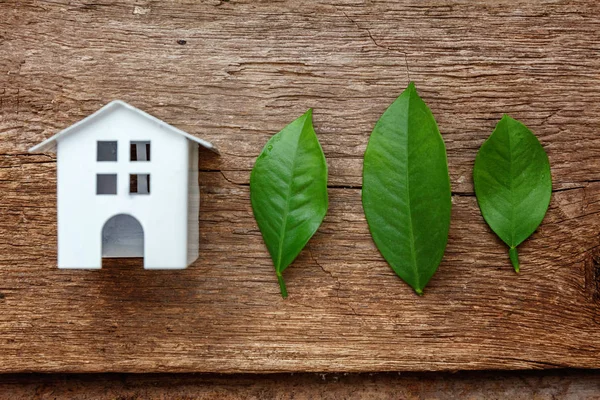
{"x": 127, "y": 187}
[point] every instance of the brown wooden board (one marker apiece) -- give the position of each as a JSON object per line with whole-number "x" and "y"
{"x": 248, "y": 68}
{"x": 498, "y": 385}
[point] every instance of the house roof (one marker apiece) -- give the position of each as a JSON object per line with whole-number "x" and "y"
{"x": 49, "y": 145}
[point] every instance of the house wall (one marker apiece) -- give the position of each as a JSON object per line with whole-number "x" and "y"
{"x": 193, "y": 238}
{"x": 82, "y": 213}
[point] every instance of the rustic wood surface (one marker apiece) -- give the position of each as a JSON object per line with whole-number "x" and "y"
{"x": 235, "y": 72}
{"x": 472, "y": 385}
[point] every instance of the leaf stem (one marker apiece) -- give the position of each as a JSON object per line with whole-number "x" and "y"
{"x": 284, "y": 292}
{"x": 514, "y": 258}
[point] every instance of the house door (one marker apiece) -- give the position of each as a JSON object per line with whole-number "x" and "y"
{"x": 122, "y": 236}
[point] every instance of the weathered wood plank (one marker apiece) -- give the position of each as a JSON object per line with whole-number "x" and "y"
{"x": 246, "y": 70}
{"x": 520, "y": 385}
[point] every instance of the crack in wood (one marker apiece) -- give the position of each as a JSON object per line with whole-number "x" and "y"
{"x": 368, "y": 31}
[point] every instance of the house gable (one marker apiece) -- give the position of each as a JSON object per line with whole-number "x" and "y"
{"x": 49, "y": 145}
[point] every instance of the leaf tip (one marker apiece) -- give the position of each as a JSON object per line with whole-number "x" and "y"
{"x": 506, "y": 117}
{"x": 419, "y": 291}
{"x": 309, "y": 112}
{"x": 411, "y": 86}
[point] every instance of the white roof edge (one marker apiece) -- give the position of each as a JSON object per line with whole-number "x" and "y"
{"x": 50, "y": 143}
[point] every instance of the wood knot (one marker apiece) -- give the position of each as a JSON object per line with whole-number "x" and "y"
{"x": 181, "y": 42}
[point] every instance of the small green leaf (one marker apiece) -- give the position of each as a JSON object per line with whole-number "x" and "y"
{"x": 288, "y": 191}
{"x": 406, "y": 189}
{"x": 512, "y": 183}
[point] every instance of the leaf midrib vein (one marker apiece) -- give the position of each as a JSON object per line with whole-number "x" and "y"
{"x": 411, "y": 225}
{"x": 287, "y": 203}
{"x": 510, "y": 185}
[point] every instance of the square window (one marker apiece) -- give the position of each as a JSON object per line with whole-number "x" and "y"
{"x": 139, "y": 183}
{"x": 106, "y": 184}
{"x": 139, "y": 151}
{"x": 107, "y": 151}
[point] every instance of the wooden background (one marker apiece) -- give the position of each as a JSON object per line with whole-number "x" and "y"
{"x": 235, "y": 72}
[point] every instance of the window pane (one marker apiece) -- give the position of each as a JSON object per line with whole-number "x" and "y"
{"x": 106, "y": 184}
{"x": 139, "y": 151}
{"x": 107, "y": 151}
{"x": 139, "y": 183}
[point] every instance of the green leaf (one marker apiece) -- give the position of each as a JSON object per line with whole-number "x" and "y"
{"x": 513, "y": 184}
{"x": 406, "y": 189}
{"x": 288, "y": 191}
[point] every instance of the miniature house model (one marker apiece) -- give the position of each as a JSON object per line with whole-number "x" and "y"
{"x": 127, "y": 186}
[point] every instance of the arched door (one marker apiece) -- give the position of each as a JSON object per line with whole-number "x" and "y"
{"x": 122, "y": 236}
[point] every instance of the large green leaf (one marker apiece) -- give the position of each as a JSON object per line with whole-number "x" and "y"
{"x": 288, "y": 190}
{"x": 406, "y": 189}
{"x": 512, "y": 183}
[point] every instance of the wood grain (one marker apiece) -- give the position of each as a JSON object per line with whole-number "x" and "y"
{"x": 248, "y": 68}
